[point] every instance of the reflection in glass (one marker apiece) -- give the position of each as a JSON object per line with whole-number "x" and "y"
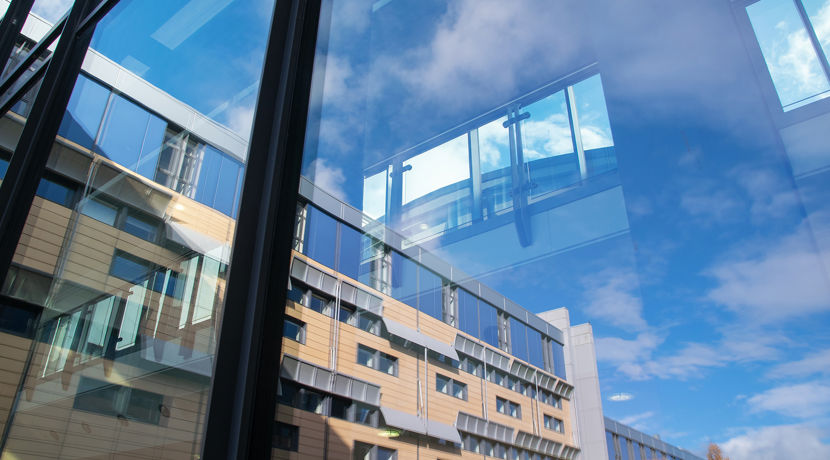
{"x": 789, "y": 54}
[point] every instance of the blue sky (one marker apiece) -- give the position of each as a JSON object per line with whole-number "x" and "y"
{"x": 701, "y": 263}
{"x": 702, "y": 267}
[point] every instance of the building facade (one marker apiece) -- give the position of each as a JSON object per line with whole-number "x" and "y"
{"x": 322, "y": 228}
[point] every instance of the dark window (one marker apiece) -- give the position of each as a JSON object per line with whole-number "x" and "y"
{"x": 536, "y": 355}
{"x": 518, "y": 339}
{"x": 4, "y": 166}
{"x": 471, "y": 365}
{"x": 320, "y": 238}
{"x": 430, "y": 294}
{"x": 141, "y": 226}
{"x": 340, "y": 407}
{"x": 467, "y": 312}
{"x": 558, "y": 359}
{"x": 363, "y": 451}
{"x": 84, "y": 113}
{"x": 320, "y": 304}
{"x": 131, "y": 136}
{"x": 489, "y": 326}
{"x": 404, "y": 279}
{"x": 450, "y": 386}
{"x": 507, "y": 407}
{"x": 286, "y": 437}
{"x": 348, "y": 315}
{"x": 55, "y": 192}
{"x": 351, "y": 253}
{"x": 294, "y": 329}
{"x": 377, "y": 360}
{"x": 297, "y": 295}
{"x": 100, "y": 210}
{"x": 129, "y": 267}
{"x": 115, "y": 400}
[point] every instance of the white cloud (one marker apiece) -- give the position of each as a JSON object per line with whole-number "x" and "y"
{"x": 548, "y": 137}
{"x": 240, "y": 119}
{"x": 710, "y": 206}
{"x": 638, "y": 359}
{"x": 771, "y": 195}
{"x": 620, "y": 397}
{"x": 328, "y": 178}
{"x": 777, "y": 443}
{"x": 51, "y": 10}
{"x": 804, "y": 400}
{"x": 814, "y": 363}
{"x": 772, "y": 281}
{"x": 792, "y": 60}
{"x": 438, "y": 167}
{"x": 627, "y": 355}
{"x": 632, "y": 420}
{"x": 613, "y": 296}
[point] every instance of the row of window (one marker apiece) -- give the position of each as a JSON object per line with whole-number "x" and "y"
{"x": 287, "y": 437}
{"x": 495, "y": 449}
{"x": 294, "y": 395}
{"x": 321, "y": 303}
{"x": 325, "y": 305}
{"x": 366, "y": 259}
{"x": 620, "y": 448}
{"x": 553, "y": 423}
{"x": 450, "y": 386}
{"x": 475, "y": 367}
{"x": 295, "y": 330}
{"x": 377, "y": 360}
{"x": 117, "y": 128}
{"x": 124, "y": 403}
{"x": 507, "y": 407}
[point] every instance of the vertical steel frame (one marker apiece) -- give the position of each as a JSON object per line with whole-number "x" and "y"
{"x": 243, "y": 395}
{"x": 29, "y": 159}
{"x": 11, "y": 25}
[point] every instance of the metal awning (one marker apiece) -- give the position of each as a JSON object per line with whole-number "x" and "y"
{"x": 193, "y": 239}
{"x": 324, "y": 379}
{"x": 469, "y": 347}
{"x": 411, "y": 335}
{"x": 443, "y": 431}
{"x": 497, "y": 359}
{"x": 480, "y": 427}
{"x": 361, "y": 299}
{"x": 301, "y": 271}
{"x": 537, "y": 444}
{"x": 403, "y": 420}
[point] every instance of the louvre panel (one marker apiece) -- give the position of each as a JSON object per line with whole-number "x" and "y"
{"x": 497, "y": 360}
{"x": 306, "y": 374}
{"x": 322, "y": 379}
{"x": 329, "y": 284}
{"x": 313, "y": 277}
{"x": 290, "y": 368}
{"x": 348, "y": 293}
{"x": 372, "y": 395}
{"x": 342, "y": 385}
{"x": 298, "y": 270}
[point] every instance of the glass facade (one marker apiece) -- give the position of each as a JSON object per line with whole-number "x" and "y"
{"x": 473, "y": 176}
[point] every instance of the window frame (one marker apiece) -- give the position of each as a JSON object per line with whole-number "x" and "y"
{"x": 378, "y": 357}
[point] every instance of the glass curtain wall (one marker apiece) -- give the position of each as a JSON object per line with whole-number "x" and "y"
{"x": 127, "y": 245}
{"x": 656, "y": 168}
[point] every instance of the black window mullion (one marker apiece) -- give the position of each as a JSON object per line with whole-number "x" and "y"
{"x": 243, "y": 390}
{"x": 28, "y": 162}
{"x": 11, "y": 26}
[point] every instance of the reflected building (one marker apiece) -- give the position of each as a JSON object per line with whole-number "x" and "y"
{"x": 388, "y": 351}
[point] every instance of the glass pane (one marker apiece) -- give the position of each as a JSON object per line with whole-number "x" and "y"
{"x": 127, "y": 244}
{"x": 789, "y": 54}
